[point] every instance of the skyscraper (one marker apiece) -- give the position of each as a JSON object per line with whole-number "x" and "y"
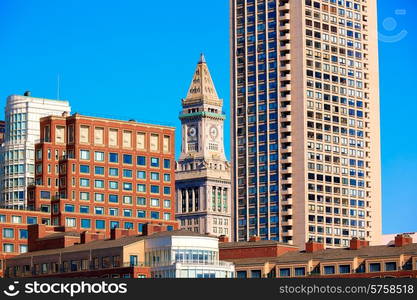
{"x": 305, "y": 120}
{"x": 202, "y": 178}
{"x": 22, "y": 116}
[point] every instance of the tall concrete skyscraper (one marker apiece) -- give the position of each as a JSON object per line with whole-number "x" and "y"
{"x": 203, "y": 172}
{"x": 22, "y": 115}
{"x": 305, "y": 120}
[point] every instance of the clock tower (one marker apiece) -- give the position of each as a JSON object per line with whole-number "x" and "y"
{"x": 203, "y": 182}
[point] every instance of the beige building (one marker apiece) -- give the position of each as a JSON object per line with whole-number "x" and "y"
{"x": 305, "y": 121}
{"x": 202, "y": 177}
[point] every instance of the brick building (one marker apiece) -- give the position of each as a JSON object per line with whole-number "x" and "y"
{"x": 95, "y": 174}
{"x": 13, "y": 231}
{"x": 255, "y": 260}
{"x": 158, "y": 253}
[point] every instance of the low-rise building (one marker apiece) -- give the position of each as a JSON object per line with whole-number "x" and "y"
{"x": 58, "y": 252}
{"x": 357, "y": 260}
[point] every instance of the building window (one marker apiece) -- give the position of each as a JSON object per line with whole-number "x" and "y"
{"x": 8, "y": 233}
{"x": 70, "y": 222}
{"x": 375, "y": 267}
{"x": 84, "y": 182}
{"x": 167, "y": 177}
{"x": 127, "y": 186}
{"x": 8, "y": 248}
{"x": 141, "y": 175}
{"x": 99, "y": 170}
{"x": 344, "y": 269}
{"x": 98, "y": 197}
{"x": 99, "y": 156}
{"x": 141, "y": 201}
{"x": 155, "y": 162}
{"x": 141, "y": 214}
{"x": 167, "y": 164}
{"x": 69, "y": 208}
{"x": 127, "y": 200}
{"x": 154, "y": 215}
{"x": 85, "y": 154}
{"x": 100, "y": 224}
{"x": 141, "y": 188}
{"x": 241, "y": 274}
{"x": 141, "y": 161}
{"x": 85, "y": 223}
{"x": 114, "y": 224}
{"x": 85, "y": 196}
{"x": 155, "y": 202}
{"x": 285, "y": 272}
{"x": 84, "y": 209}
{"x": 85, "y": 169}
{"x": 155, "y": 189}
{"x": 113, "y": 157}
{"x": 255, "y": 274}
{"x": 167, "y": 203}
{"x": 113, "y": 198}
{"x": 300, "y": 271}
{"x": 390, "y": 266}
{"x": 127, "y": 159}
{"x": 167, "y": 190}
{"x": 329, "y": 270}
{"x": 113, "y": 185}
{"x": 114, "y": 172}
{"x": 99, "y": 184}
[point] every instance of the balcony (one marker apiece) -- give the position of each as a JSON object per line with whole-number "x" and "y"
{"x": 287, "y": 77}
{"x": 287, "y": 201}
{"x": 287, "y": 222}
{"x": 287, "y": 191}
{"x": 287, "y": 233}
{"x": 287, "y": 212}
{"x": 287, "y": 128}
{"x": 286, "y": 26}
{"x": 287, "y": 46}
{"x": 286, "y": 6}
{"x": 287, "y": 139}
{"x": 287, "y": 170}
{"x": 284, "y": 37}
{"x": 287, "y": 149}
{"x": 286, "y": 108}
{"x": 286, "y": 118}
{"x": 285, "y": 57}
{"x": 285, "y": 16}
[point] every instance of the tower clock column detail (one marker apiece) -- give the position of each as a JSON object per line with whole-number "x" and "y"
{"x": 203, "y": 183}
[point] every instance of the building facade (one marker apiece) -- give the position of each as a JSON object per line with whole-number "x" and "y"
{"x": 2, "y": 131}
{"x": 22, "y": 115}
{"x": 97, "y": 174}
{"x": 305, "y": 121}
{"x": 164, "y": 254}
{"x": 203, "y": 173}
{"x": 261, "y": 259}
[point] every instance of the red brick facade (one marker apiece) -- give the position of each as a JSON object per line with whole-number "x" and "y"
{"x": 92, "y": 174}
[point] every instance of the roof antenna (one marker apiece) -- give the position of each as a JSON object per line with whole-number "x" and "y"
{"x": 58, "y": 88}
{"x": 202, "y": 58}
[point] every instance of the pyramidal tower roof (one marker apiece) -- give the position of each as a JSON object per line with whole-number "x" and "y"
{"x": 202, "y": 87}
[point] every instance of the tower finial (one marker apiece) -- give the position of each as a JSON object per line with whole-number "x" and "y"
{"x": 202, "y": 59}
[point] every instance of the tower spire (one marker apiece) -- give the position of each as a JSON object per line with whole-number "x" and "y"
{"x": 202, "y": 86}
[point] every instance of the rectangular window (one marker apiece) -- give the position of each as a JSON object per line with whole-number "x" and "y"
{"x": 375, "y": 267}
{"x": 329, "y": 270}
{"x": 113, "y": 185}
{"x": 85, "y": 154}
{"x": 114, "y": 172}
{"x": 70, "y": 222}
{"x": 84, "y": 134}
{"x": 85, "y": 223}
{"x": 154, "y": 202}
{"x": 155, "y": 189}
{"x": 113, "y": 157}
{"x": 141, "y": 214}
{"x": 167, "y": 177}
{"x": 113, "y": 198}
{"x": 127, "y": 186}
{"x": 99, "y": 170}
{"x": 141, "y": 175}
{"x": 141, "y": 188}
{"x": 167, "y": 203}
{"x": 99, "y": 184}
{"x": 284, "y": 272}
{"x": 154, "y": 142}
{"x": 127, "y": 173}
{"x": 140, "y": 141}
{"x": 154, "y": 215}
{"x": 98, "y": 197}
{"x": 8, "y": 233}
{"x": 167, "y": 144}
{"x": 127, "y": 159}
{"x": 127, "y": 200}
{"x": 23, "y": 234}
{"x": 155, "y": 162}
{"x": 84, "y": 209}
{"x": 84, "y": 182}
{"x": 141, "y": 201}
{"x": 127, "y": 139}
{"x": 100, "y": 224}
{"x": 85, "y": 196}
{"x": 69, "y": 208}
{"x": 167, "y": 164}
{"x": 155, "y": 176}
{"x": 141, "y": 161}
{"x": 60, "y": 134}
{"x": 113, "y": 137}
{"x": 167, "y": 190}
{"x": 99, "y": 136}
{"x": 99, "y": 156}
{"x": 85, "y": 169}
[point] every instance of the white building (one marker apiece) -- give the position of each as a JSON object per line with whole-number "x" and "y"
{"x": 185, "y": 254}
{"x": 22, "y": 114}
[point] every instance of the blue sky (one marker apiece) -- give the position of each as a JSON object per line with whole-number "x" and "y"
{"x": 135, "y": 59}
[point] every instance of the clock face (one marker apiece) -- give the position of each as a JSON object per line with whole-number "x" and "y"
{"x": 192, "y": 132}
{"x": 214, "y": 132}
